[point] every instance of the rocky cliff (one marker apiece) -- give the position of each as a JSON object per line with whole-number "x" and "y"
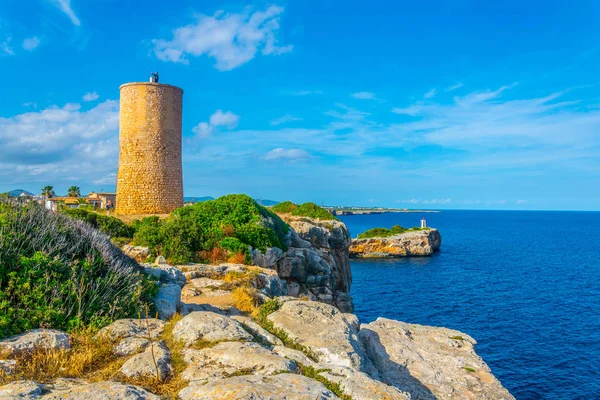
{"x": 411, "y": 243}
{"x": 289, "y": 349}
{"x": 316, "y": 263}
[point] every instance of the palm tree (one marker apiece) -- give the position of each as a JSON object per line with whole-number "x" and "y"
{"x": 73, "y": 191}
{"x": 48, "y": 191}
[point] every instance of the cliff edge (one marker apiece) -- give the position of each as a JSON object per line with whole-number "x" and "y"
{"x": 411, "y": 243}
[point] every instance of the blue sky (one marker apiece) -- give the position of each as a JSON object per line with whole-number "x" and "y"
{"x": 417, "y": 104}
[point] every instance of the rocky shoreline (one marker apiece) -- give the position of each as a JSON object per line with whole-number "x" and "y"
{"x": 302, "y": 343}
{"x": 412, "y": 243}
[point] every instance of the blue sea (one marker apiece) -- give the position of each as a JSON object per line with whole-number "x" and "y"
{"x": 524, "y": 284}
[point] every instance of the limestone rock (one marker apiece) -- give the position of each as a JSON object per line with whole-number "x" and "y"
{"x": 208, "y": 326}
{"x": 131, "y": 345}
{"x": 101, "y": 391}
{"x": 168, "y": 300}
{"x": 268, "y": 259}
{"x": 429, "y": 362}
{"x": 8, "y": 367}
{"x": 278, "y": 387}
{"x": 36, "y": 339}
{"x": 154, "y": 361}
{"x": 295, "y": 355}
{"x": 258, "y": 331}
{"x": 412, "y": 243}
{"x": 129, "y": 327}
{"x": 21, "y": 390}
{"x": 138, "y": 253}
{"x": 325, "y": 330}
{"x": 160, "y": 260}
{"x": 204, "y": 283}
{"x": 227, "y": 358}
{"x": 359, "y": 385}
{"x": 166, "y": 274}
{"x": 218, "y": 309}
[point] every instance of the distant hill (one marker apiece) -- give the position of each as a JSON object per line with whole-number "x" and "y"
{"x": 264, "y": 202}
{"x": 18, "y": 192}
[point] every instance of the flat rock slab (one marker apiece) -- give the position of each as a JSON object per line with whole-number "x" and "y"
{"x": 155, "y": 361}
{"x": 359, "y": 385}
{"x": 131, "y": 345}
{"x": 430, "y": 362}
{"x": 21, "y": 390}
{"x": 258, "y": 331}
{"x": 36, "y": 339}
{"x": 142, "y": 328}
{"x": 228, "y": 358}
{"x": 77, "y": 390}
{"x": 295, "y": 355}
{"x": 325, "y": 330}
{"x": 209, "y": 326}
{"x": 278, "y": 387}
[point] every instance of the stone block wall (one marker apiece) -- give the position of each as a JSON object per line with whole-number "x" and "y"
{"x": 149, "y": 179}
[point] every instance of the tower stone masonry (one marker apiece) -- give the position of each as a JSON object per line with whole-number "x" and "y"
{"x": 149, "y": 179}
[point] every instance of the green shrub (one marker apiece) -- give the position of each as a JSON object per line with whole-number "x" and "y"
{"x": 232, "y": 222}
{"x": 383, "y": 232}
{"x": 111, "y": 226}
{"x": 287, "y": 207}
{"x": 311, "y": 210}
{"x": 57, "y": 272}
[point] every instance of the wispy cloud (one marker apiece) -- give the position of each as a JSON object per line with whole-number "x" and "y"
{"x": 283, "y": 120}
{"x": 6, "y": 48}
{"x": 288, "y": 155}
{"x": 231, "y": 39}
{"x": 426, "y": 201}
{"x": 91, "y": 96}
{"x": 65, "y": 7}
{"x": 454, "y": 87}
{"x": 302, "y": 92}
{"x": 364, "y": 95}
{"x": 30, "y": 44}
{"x": 430, "y": 94}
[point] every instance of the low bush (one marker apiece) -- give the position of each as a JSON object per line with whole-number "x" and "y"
{"x": 287, "y": 207}
{"x": 233, "y": 223}
{"x": 57, "y": 272}
{"x": 384, "y": 232}
{"x": 311, "y": 210}
{"x": 111, "y": 226}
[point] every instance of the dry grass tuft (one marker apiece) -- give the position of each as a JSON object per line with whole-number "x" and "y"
{"x": 246, "y": 299}
{"x": 237, "y": 258}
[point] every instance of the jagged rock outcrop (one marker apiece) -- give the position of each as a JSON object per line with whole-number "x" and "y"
{"x": 210, "y": 327}
{"x": 155, "y": 361}
{"x": 74, "y": 390}
{"x": 429, "y": 362}
{"x": 36, "y": 339}
{"x": 316, "y": 263}
{"x": 411, "y": 243}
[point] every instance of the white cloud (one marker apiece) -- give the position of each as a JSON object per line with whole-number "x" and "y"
{"x": 430, "y": 94}
{"x": 454, "y": 87}
{"x": 228, "y": 119}
{"x": 521, "y": 201}
{"x": 364, "y": 95}
{"x": 5, "y": 47}
{"x": 430, "y": 201}
{"x": 65, "y": 7}
{"x": 90, "y": 96}
{"x": 59, "y": 142}
{"x": 285, "y": 119}
{"x": 289, "y": 155}
{"x": 219, "y": 118}
{"x": 231, "y": 39}
{"x": 31, "y": 43}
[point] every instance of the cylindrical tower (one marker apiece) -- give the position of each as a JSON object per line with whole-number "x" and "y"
{"x": 149, "y": 179}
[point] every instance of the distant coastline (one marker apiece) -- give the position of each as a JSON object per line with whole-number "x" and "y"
{"x": 369, "y": 211}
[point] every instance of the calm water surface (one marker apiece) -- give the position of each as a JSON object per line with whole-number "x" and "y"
{"x": 525, "y": 285}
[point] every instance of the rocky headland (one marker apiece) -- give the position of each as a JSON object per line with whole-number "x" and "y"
{"x": 279, "y": 329}
{"x": 410, "y": 243}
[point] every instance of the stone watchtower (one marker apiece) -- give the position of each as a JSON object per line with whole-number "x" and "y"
{"x": 149, "y": 179}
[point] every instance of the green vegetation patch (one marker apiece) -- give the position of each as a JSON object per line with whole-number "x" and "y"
{"x": 287, "y": 207}
{"x": 313, "y": 373}
{"x": 113, "y": 227}
{"x": 311, "y": 210}
{"x": 230, "y": 223}
{"x": 56, "y": 272}
{"x": 384, "y": 232}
